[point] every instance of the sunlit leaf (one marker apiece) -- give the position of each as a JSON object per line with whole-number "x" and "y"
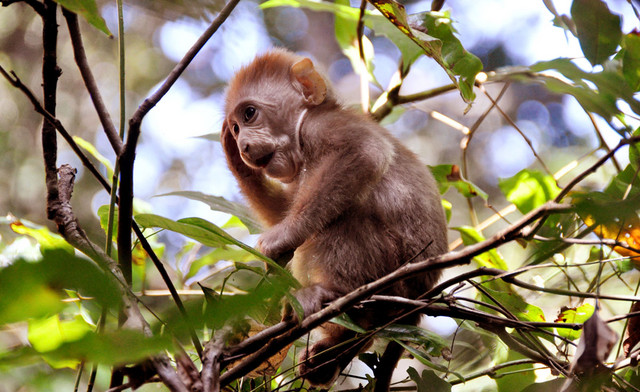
{"x": 529, "y": 189}
{"x": 449, "y": 175}
{"x": 631, "y": 60}
{"x": 515, "y": 304}
{"x": 88, "y": 9}
{"x": 610, "y": 86}
{"x": 46, "y": 239}
{"x": 206, "y": 233}
{"x": 613, "y": 219}
{"x": 346, "y": 33}
{"x": 34, "y": 289}
{"x": 112, "y": 348}
{"x": 434, "y": 33}
{"x": 91, "y": 149}
{"x": 457, "y": 59}
{"x": 491, "y": 258}
{"x": 218, "y": 203}
{"x": 50, "y": 333}
{"x": 573, "y": 316}
{"x": 598, "y": 29}
{"x": 103, "y": 214}
{"x": 552, "y": 385}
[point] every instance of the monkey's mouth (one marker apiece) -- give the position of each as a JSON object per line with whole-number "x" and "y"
{"x": 264, "y": 160}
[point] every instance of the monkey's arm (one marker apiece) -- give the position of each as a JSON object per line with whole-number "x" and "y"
{"x": 340, "y": 178}
{"x": 265, "y": 196}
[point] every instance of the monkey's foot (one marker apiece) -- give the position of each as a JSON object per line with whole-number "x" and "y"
{"x": 320, "y": 365}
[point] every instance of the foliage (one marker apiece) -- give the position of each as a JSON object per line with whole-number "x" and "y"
{"x": 569, "y": 255}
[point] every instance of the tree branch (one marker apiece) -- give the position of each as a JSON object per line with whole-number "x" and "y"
{"x": 90, "y": 82}
{"x": 127, "y": 157}
{"x": 342, "y": 304}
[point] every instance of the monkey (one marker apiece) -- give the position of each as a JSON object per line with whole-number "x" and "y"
{"x": 337, "y": 191}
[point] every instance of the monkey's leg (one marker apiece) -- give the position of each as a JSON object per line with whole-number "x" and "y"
{"x": 321, "y": 363}
{"x": 387, "y": 365}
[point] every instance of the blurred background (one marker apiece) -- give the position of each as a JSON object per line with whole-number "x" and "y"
{"x": 172, "y": 155}
{"x": 178, "y": 149}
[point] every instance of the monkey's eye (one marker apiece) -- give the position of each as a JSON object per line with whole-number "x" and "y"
{"x": 249, "y": 113}
{"x": 236, "y": 129}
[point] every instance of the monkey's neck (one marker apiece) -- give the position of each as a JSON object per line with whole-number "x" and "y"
{"x": 301, "y": 118}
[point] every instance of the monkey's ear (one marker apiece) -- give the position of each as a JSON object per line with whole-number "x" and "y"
{"x": 311, "y": 82}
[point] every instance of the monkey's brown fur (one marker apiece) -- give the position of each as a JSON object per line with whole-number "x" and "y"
{"x": 334, "y": 186}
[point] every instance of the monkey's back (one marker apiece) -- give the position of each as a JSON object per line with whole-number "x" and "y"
{"x": 399, "y": 220}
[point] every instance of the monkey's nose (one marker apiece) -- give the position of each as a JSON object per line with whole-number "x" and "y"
{"x": 245, "y": 146}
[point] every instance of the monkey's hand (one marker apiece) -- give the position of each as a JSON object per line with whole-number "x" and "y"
{"x": 236, "y": 164}
{"x": 311, "y": 300}
{"x": 279, "y": 242}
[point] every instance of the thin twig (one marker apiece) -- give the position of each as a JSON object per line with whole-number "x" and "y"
{"x": 517, "y": 128}
{"x": 90, "y": 82}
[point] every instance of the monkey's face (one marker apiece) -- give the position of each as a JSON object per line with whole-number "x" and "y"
{"x": 266, "y": 139}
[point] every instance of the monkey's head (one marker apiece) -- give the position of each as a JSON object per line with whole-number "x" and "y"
{"x": 265, "y": 106}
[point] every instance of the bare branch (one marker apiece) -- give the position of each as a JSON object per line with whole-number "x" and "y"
{"x": 90, "y": 82}
{"x": 340, "y": 305}
{"x": 126, "y": 158}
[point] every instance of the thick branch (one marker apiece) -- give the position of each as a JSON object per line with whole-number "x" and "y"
{"x": 50, "y": 75}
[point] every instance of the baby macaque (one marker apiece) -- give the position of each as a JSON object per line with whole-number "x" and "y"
{"x": 334, "y": 187}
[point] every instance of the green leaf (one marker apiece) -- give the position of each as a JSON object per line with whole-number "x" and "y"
{"x": 449, "y": 175}
{"x": 514, "y": 378}
{"x": 207, "y": 234}
{"x": 111, "y": 348}
{"x": 631, "y": 60}
{"x": 34, "y": 289}
{"x": 553, "y": 385}
{"x": 424, "y": 359}
{"x": 218, "y": 203}
{"x": 573, "y": 316}
{"x": 428, "y": 381}
{"x": 434, "y": 33}
{"x": 45, "y": 238}
{"x": 346, "y": 33}
{"x": 50, "y": 333}
{"x": 216, "y": 255}
{"x": 529, "y": 189}
{"x": 213, "y": 238}
{"x": 598, "y": 29}
{"x": 430, "y": 342}
{"x": 515, "y": 304}
{"x": 91, "y": 149}
{"x": 610, "y": 86}
{"x": 490, "y": 258}
{"x": 103, "y": 214}
{"x": 88, "y": 9}
{"x": 441, "y": 45}
{"x": 457, "y": 59}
